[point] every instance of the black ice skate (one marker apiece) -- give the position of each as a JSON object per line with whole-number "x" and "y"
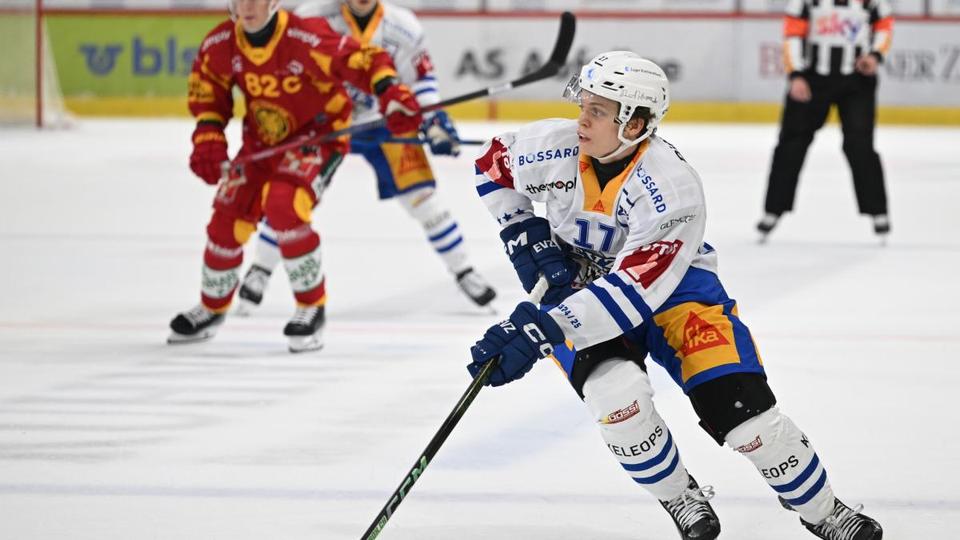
{"x": 305, "y": 328}
{"x": 475, "y": 287}
{"x": 881, "y": 226}
{"x": 766, "y": 225}
{"x": 692, "y": 514}
{"x": 251, "y": 290}
{"x": 197, "y": 324}
{"x": 844, "y": 523}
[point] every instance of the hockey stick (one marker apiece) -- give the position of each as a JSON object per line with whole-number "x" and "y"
{"x": 558, "y": 57}
{"x": 430, "y": 451}
{"x": 440, "y": 437}
{"x": 414, "y": 140}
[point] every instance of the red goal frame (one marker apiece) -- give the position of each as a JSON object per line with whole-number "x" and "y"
{"x": 38, "y": 65}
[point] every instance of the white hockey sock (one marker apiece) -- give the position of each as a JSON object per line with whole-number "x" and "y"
{"x": 787, "y": 461}
{"x": 266, "y": 251}
{"x": 620, "y": 398}
{"x": 441, "y": 229}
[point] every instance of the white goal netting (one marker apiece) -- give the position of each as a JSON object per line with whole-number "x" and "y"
{"x": 29, "y": 90}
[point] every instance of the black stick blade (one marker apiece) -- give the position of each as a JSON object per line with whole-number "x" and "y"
{"x": 558, "y": 57}
{"x": 568, "y": 27}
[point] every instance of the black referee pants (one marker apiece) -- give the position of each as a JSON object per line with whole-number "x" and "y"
{"x": 856, "y": 99}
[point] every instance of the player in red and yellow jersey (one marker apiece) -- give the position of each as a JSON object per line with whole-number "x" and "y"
{"x": 291, "y": 72}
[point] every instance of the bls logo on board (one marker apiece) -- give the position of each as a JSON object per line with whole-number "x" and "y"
{"x": 145, "y": 60}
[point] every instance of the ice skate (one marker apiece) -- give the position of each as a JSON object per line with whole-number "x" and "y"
{"x": 692, "y": 514}
{"x": 881, "y": 226}
{"x": 305, "y": 329}
{"x": 251, "y": 290}
{"x": 766, "y": 225}
{"x": 475, "y": 287}
{"x": 844, "y": 523}
{"x": 195, "y": 325}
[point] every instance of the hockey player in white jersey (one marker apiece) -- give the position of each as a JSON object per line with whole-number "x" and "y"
{"x": 622, "y": 249}
{"x": 403, "y": 172}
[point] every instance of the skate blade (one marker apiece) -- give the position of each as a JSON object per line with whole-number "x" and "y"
{"x": 244, "y": 308}
{"x": 300, "y": 344}
{"x": 182, "y": 339}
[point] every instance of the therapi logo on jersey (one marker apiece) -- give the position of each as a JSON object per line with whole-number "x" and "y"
{"x": 547, "y": 155}
{"x": 564, "y": 185}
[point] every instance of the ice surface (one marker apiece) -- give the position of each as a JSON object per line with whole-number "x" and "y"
{"x": 108, "y": 433}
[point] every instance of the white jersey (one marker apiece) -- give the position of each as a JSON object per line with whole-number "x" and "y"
{"x": 397, "y": 31}
{"x": 641, "y": 232}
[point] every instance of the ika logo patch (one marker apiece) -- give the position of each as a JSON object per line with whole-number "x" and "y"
{"x": 699, "y": 335}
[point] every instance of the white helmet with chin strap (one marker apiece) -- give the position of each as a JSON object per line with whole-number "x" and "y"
{"x": 630, "y": 80}
{"x": 274, "y": 7}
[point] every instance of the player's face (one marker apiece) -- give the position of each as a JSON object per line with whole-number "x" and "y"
{"x": 361, "y": 7}
{"x": 252, "y": 14}
{"x": 597, "y": 127}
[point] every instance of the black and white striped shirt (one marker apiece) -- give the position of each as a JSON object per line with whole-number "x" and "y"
{"x": 827, "y": 36}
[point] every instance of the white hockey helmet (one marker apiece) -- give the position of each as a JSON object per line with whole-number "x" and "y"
{"x": 630, "y": 80}
{"x": 231, "y": 7}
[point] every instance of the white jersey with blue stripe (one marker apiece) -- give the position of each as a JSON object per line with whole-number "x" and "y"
{"x": 644, "y": 228}
{"x": 394, "y": 29}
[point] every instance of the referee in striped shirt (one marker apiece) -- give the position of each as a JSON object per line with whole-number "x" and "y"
{"x": 831, "y": 52}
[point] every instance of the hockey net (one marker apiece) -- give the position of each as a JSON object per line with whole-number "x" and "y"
{"x": 29, "y": 89}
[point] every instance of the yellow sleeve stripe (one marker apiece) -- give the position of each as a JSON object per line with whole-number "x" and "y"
{"x": 211, "y": 116}
{"x": 380, "y": 75}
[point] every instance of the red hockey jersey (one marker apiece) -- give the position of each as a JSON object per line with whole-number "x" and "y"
{"x": 292, "y": 85}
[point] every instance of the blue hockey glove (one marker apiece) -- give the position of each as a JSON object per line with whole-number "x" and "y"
{"x": 527, "y": 336}
{"x": 438, "y": 129}
{"x": 533, "y": 251}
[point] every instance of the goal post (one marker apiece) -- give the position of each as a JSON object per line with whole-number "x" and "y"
{"x": 29, "y": 87}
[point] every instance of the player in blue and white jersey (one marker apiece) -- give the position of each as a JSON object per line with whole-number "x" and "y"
{"x": 403, "y": 171}
{"x": 630, "y": 275}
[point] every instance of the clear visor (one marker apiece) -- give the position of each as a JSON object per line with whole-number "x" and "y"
{"x": 572, "y": 91}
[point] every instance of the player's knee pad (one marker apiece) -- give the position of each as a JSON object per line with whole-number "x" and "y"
{"x": 441, "y": 229}
{"x": 728, "y": 401}
{"x": 620, "y": 398}
{"x": 615, "y": 384}
{"x": 787, "y": 460}
{"x": 420, "y": 204}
